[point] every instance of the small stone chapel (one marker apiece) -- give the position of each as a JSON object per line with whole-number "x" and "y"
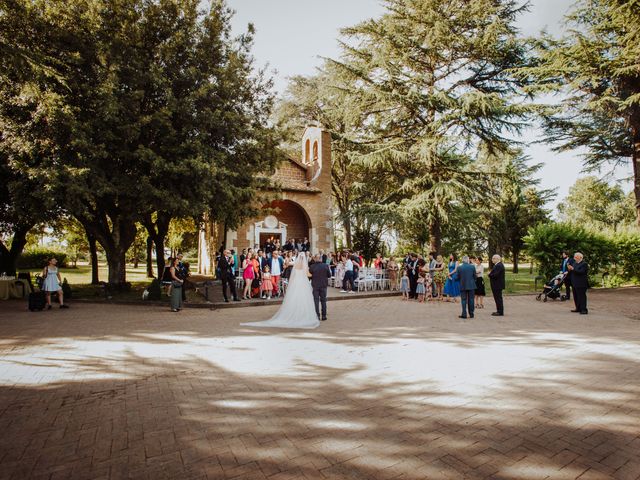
{"x": 303, "y": 208}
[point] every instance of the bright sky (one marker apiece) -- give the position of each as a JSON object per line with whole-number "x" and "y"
{"x": 293, "y": 35}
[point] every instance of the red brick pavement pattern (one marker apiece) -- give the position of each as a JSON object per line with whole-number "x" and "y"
{"x": 383, "y": 390}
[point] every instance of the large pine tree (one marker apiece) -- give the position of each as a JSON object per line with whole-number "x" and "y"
{"x": 433, "y": 82}
{"x": 596, "y": 66}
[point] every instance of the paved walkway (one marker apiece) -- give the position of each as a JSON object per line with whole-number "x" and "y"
{"x": 384, "y": 389}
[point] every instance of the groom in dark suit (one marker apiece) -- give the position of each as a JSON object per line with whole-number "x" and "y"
{"x": 227, "y": 275}
{"x": 320, "y": 275}
{"x": 467, "y": 276}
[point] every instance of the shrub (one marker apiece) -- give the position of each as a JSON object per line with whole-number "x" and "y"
{"x": 38, "y": 257}
{"x": 154, "y": 290}
{"x": 613, "y": 280}
{"x": 628, "y": 254}
{"x": 545, "y": 243}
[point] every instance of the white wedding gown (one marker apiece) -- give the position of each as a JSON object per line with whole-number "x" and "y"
{"x": 297, "y": 309}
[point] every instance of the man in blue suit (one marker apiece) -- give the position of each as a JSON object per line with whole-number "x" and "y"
{"x": 467, "y": 276}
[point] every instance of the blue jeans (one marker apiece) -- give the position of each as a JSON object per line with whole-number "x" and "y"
{"x": 467, "y": 297}
{"x": 348, "y": 283}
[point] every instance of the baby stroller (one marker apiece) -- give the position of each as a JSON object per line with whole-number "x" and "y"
{"x": 552, "y": 288}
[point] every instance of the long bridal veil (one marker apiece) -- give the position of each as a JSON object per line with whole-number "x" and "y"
{"x": 297, "y": 309}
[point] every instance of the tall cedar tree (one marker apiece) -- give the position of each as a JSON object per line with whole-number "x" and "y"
{"x": 597, "y": 68}
{"x": 434, "y": 81}
{"x": 512, "y": 203}
{"x": 159, "y": 111}
{"x": 324, "y": 98}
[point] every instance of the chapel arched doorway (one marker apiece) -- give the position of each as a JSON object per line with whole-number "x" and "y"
{"x": 287, "y": 220}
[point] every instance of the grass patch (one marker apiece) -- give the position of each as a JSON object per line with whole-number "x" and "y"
{"x": 79, "y": 279}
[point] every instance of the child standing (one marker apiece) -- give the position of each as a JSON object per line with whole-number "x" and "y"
{"x": 404, "y": 285}
{"x": 429, "y": 287}
{"x": 420, "y": 290}
{"x": 267, "y": 285}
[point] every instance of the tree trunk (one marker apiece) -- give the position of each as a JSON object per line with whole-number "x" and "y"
{"x": 491, "y": 250}
{"x": 9, "y": 257}
{"x": 348, "y": 235}
{"x": 115, "y": 235}
{"x": 93, "y": 253}
{"x": 117, "y": 262}
{"x": 158, "y": 232}
{"x": 149, "y": 259}
{"x": 516, "y": 258}
{"x": 636, "y": 170}
{"x": 435, "y": 236}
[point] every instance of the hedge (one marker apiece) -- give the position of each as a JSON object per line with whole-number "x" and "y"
{"x": 546, "y": 242}
{"x": 615, "y": 252}
{"x": 628, "y": 254}
{"x": 38, "y": 257}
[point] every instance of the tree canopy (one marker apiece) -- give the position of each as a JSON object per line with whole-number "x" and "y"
{"x": 433, "y": 86}
{"x": 595, "y": 67}
{"x": 159, "y": 109}
{"x": 594, "y": 202}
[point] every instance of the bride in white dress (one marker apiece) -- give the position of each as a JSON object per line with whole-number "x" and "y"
{"x": 297, "y": 309}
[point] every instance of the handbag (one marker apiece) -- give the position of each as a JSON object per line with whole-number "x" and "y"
{"x": 176, "y": 284}
{"x": 40, "y": 280}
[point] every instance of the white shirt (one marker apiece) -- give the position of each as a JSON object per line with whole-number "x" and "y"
{"x": 275, "y": 266}
{"x": 348, "y": 266}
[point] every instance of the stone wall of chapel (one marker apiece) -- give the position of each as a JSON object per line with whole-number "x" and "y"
{"x": 317, "y": 205}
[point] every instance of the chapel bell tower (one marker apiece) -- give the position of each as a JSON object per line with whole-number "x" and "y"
{"x": 316, "y": 152}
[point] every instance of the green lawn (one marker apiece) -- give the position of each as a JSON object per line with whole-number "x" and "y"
{"x": 82, "y": 274}
{"x": 522, "y": 282}
{"x": 79, "y": 279}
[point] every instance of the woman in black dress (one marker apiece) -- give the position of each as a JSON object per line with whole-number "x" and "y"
{"x": 480, "y": 292}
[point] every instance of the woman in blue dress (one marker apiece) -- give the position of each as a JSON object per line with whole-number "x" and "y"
{"x": 452, "y": 286}
{"x": 52, "y": 283}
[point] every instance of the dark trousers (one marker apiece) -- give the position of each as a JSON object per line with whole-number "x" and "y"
{"x": 567, "y": 285}
{"x": 580, "y": 299}
{"x": 348, "y": 283}
{"x": 413, "y": 285}
{"x": 467, "y": 301}
{"x": 497, "y": 296}
{"x": 320, "y": 299}
{"x": 231, "y": 283}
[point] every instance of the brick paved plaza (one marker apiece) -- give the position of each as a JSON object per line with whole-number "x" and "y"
{"x": 384, "y": 389}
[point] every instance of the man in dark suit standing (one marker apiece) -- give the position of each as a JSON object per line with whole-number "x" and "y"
{"x": 227, "y": 276}
{"x": 467, "y": 276}
{"x": 564, "y": 268}
{"x": 412, "y": 273}
{"x": 580, "y": 283}
{"x": 320, "y": 275}
{"x": 496, "y": 276}
{"x": 263, "y": 261}
{"x": 269, "y": 247}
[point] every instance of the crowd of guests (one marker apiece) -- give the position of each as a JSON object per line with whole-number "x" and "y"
{"x": 431, "y": 279}
{"x": 265, "y": 271}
